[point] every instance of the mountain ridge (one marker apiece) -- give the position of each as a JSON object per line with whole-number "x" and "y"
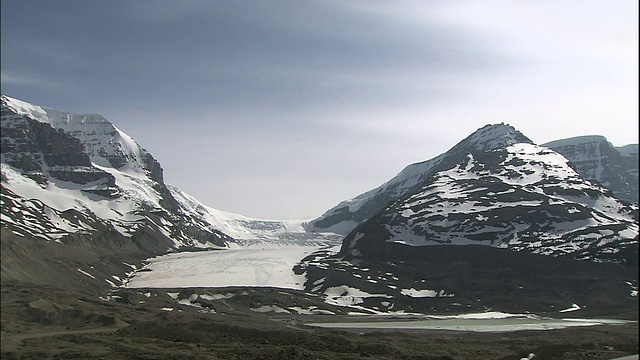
{"x": 596, "y": 159}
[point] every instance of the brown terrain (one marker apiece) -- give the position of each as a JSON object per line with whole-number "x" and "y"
{"x": 50, "y": 310}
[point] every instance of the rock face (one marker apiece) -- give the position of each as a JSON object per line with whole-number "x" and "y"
{"x": 594, "y": 158}
{"x": 507, "y": 194}
{"x": 41, "y": 151}
{"x": 66, "y": 174}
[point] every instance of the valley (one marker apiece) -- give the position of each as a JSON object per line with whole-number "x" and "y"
{"x": 498, "y": 248}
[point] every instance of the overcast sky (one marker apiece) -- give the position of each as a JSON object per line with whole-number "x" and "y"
{"x": 282, "y": 109}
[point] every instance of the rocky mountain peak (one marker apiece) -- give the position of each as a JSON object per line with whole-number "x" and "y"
{"x": 348, "y": 214}
{"x": 491, "y": 137}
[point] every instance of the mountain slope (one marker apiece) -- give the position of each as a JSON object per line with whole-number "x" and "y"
{"x": 596, "y": 159}
{"x": 348, "y": 214}
{"x": 518, "y": 196}
{"x": 86, "y": 164}
{"x": 498, "y": 223}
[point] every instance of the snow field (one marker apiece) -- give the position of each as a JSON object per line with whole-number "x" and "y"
{"x": 251, "y": 266}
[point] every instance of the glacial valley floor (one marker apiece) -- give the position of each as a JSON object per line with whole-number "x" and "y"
{"x": 39, "y": 322}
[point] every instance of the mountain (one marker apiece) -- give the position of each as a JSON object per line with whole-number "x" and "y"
{"x": 77, "y": 184}
{"x": 348, "y": 214}
{"x": 82, "y": 163}
{"x": 595, "y": 159}
{"x": 495, "y": 222}
{"x": 508, "y": 194}
{"x": 82, "y": 203}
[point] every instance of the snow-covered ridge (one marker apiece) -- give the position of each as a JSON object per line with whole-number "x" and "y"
{"x": 128, "y": 193}
{"x": 394, "y": 188}
{"x": 491, "y": 137}
{"x": 24, "y": 108}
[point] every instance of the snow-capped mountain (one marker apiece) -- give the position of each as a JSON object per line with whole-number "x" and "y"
{"x": 596, "y": 159}
{"x": 55, "y": 163}
{"x": 66, "y": 173}
{"x": 495, "y": 222}
{"x": 348, "y": 214}
{"x": 504, "y": 191}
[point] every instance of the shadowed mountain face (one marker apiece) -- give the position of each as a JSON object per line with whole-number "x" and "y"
{"x": 594, "y": 158}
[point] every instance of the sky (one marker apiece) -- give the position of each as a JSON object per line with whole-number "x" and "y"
{"x": 281, "y": 109}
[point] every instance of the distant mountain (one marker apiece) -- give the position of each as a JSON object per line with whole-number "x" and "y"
{"x": 348, "y": 214}
{"x": 248, "y": 231}
{"x": 596, "y": 159}
{"x": 504, "y": 192}
{"x": 495, "y": 222}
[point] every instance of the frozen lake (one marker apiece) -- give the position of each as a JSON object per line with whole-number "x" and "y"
{"x": 247, "y": 266}
{"x": 272, "y": 266}
{"x": 479, "y": 324}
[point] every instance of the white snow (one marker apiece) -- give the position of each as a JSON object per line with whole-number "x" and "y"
{"x": 217, "y": 296}
{"x": 348, "y": 296}
{"x": 251, "y": 266}
{"x": 86, "y": 273}
{"x": 271, "y": 308}
{"x": 574, "y": 307}
{"x": 418, "y": 293}
{"x": 25, "y": 108}
{"x": 465, "y": 323}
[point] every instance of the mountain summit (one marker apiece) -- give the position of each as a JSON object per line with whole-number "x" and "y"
{"x": 348, "y": 214}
